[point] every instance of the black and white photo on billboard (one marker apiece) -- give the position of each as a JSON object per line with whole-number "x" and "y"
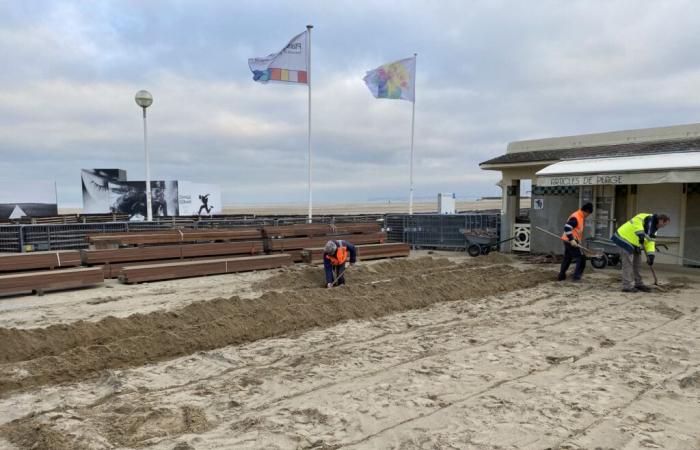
{"x": 95, "y": 184}
{"x": 198, "y": 199}
{"x": 31, "y": 199}
{"x": 108, "y": 191}
{"x": 130, "y": 198}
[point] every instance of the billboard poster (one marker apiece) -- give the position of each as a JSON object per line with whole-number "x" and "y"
{"x": 199, "y": 199}
{"x": 130, "y": 198}
{"x": 33, "y": 199}
{"x": 107, "y": 191}
{"x": 96, "y": 189}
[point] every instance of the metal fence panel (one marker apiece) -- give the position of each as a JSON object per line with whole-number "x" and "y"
{"x": 10, "y": 239}
{"x": 439, "y": 230}
{"x": 72, "y": 236}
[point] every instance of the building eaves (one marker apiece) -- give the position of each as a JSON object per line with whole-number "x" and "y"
{"x": 602, "y": 151}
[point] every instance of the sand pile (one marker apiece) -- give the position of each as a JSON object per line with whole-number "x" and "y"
{"x": 64, "y": 353}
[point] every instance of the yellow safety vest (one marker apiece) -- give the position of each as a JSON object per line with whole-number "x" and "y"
{"x": 628, "y": 232}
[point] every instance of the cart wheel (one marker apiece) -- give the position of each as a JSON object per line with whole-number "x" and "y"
{"x": 474, "y": 250}
{"x": 485, "y": 250}
{"x": 599, "y": 262}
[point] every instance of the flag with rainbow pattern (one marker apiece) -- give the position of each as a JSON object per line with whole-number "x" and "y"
{"x": 289, "y": 65}
{"x": 394, "y": 80}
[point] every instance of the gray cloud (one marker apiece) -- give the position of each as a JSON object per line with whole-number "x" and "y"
{"x": 489, "y": 72}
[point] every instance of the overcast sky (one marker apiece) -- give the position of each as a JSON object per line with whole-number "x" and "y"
{"x": 489, "y": 72}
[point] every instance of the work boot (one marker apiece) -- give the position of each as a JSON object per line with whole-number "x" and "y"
{"x": 643, "y": 288}
{"x": 629, "y": 289}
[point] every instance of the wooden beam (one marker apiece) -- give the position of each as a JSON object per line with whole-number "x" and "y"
{"x": 364, "y": 252}
{"x": 107, "y": 240}
{"x": 300, "y": 243}
{"x": 171, "y": 271}
{"x": 10, "y": 262}
{"x": 49, "y": 280}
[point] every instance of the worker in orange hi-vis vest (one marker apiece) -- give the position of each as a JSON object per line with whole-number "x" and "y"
{"x": 572, "y": 237}
{"x": 335, "y": 255}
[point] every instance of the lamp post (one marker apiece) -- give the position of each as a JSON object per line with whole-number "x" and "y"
{"x": 144, "y": 99}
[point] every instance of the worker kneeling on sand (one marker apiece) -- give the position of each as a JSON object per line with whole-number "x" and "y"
{"x": 634, "y": 235}
{"x": 572, "y": 237}
{"x": 335, "y": 255}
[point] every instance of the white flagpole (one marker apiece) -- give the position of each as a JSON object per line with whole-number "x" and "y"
{"x": 308, "y": 82}
{"x": 413, "y": 120}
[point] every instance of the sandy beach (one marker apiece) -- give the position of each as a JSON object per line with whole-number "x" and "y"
{"x": 433, "y": 351}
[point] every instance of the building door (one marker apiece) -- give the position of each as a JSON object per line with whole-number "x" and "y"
{"x": 604, "y": 211}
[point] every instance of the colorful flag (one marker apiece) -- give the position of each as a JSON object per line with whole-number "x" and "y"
{"x": 394, "y": 80}
{"x": 289, "y": 65}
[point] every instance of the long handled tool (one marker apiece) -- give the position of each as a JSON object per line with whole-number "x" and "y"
{"x": 339, "y": 275}
{"x": 653, "y": 272}
{"x": 590, "y": 252}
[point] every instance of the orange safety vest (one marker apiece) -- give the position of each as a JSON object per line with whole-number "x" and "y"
{"x": 341, "y": 255}
{"x": 578, "y": 231}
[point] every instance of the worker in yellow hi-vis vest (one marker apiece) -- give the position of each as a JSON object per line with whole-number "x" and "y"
{"x": 634, "y": 235}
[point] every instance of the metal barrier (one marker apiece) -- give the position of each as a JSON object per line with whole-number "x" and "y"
{"x": 30, "y": 237}
{"x": 439, "y": 230}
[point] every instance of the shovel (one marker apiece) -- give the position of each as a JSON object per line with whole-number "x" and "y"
{"x": 591, "y": 253}
{"x": 340, "y": 274}
{"x": 653, "y": 272}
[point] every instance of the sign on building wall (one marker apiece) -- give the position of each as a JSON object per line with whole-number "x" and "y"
{"x": 584, "y": 180}
{"x": 670, "y": 176}
{"x": 35, "y": 199}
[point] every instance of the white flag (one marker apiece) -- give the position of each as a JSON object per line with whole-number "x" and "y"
{"x": 394, "y": 80}
{"x": 289, "y": 65}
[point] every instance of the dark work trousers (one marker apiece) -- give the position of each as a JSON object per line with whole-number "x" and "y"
{"x": 572, "y": 253}
{"x": 339, "y": 270}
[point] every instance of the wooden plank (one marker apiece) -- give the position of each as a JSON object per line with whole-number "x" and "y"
{"x": 174, "y": 236}
{"x": 170, "y": 271}
{"x": 301, "y": 243}
{"x": 49, "y": 280}
{"x": 10, "y": 262}
{"x": 113, "y": 270}
{"x": 296, "y": 230}
{"x": 378, "y": 251}
{"x": 130, "y": 254}
{"x": 222, "y": 248}
{"x": 364, "y": 252}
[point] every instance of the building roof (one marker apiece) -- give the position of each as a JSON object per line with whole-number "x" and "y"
{"x": 598, "y": 151}
{"x": 636, "y": 163}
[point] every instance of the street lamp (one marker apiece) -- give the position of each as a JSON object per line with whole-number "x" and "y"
{"x": 144, "y": 99}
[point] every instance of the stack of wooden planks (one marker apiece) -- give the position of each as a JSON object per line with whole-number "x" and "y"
{"x": 112, "y": 240}
{"x": 309, "y": 230}
{"x": 114, "y": 259}
{"x": 170, "y": 271}
{"x": 364, "y": 252}
{"x": 48, "y": 280}
{"x": 12, "y": 262}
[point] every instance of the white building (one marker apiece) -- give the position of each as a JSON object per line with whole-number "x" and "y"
{"x": 655, "y": 170}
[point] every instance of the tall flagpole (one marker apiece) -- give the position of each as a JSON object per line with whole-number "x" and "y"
{"x": 413, "y": 121}
{"x": 308, "y": 82}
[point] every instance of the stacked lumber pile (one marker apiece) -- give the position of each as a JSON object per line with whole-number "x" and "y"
{"x": 293, "y": 239}
{"x": 114, "y": 240}
{"x": 12, "y": 262}
{"x": 170, "y": 271}
{"x": 318, "y": 229}
{"x": 115, "y": 259}
{"x": 364, "y": 252}
{"x": 49, "y": 280}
